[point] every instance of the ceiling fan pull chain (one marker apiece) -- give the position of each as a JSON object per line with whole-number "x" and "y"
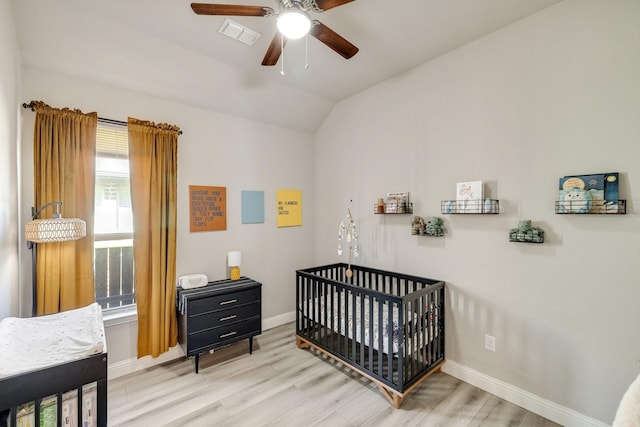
{"x": 306, "y": 51}
{"x": 282, "y": 50}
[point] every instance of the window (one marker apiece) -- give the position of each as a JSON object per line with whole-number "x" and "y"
{"x": 113, "y": 221}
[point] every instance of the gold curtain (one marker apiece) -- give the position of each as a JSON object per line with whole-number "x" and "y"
{"x": 153, "y": 164}
{"x": 64, "y": 151}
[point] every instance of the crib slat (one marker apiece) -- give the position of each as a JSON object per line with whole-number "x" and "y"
{"x": 314, "y": 297}
{"x": 59, "y": 409}
{"x": 323, "y": 321}
{"x": 371, "y": 344}
{"x": 362, "y": 324}
{"x": 306, "y": 318}
{"x": 409, "y": 341}
{"x": 390, "y": 341}
{"x": 340, "y": 320}
{"x": 80, "y": 402}
{"x": 332, "y": 319}
{"x": 380, "y": 338}
{"x": 355, "y": 326}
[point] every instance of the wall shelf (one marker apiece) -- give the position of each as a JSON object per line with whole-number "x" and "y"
{"x": 591, "y": 207}
{"x": 526, "y": 233}
{"x": 432, "y": 228}
{"x": 478, "y": 206}
{"x": 526, "y": 237}
{"x": 427, "y": 234}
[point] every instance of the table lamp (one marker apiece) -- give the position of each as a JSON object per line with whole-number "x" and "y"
{"x": 233, "y": 261}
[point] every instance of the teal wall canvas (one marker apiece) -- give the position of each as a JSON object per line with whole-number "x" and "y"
{"x": 252, "y": 207}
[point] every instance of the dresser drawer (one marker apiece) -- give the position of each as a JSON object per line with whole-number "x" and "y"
{"x": 221, "y": 302}
{"x": 225, "y": 333}
{"x": 229, "y": 315}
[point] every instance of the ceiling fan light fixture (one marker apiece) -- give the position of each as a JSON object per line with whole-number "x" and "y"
{"x": 294, "y": 23}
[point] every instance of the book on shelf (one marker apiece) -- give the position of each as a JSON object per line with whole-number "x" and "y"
{"x": 469, "y": 196}
{"x": 49, "y": 411}
{"x": 593, "y": 193}
{"x": 397, "y": 202}
{"x": 70, "y": 409}
{"x": 89, "y": 405}
{"x": 25, "y": 416}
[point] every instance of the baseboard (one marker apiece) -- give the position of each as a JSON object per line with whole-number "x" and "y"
{"x": 132, "y": 365}
{"x": 278, "y": 320}
{"x": 529, "y": 401}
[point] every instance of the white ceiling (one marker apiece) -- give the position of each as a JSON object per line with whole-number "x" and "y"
{"x": 162, "y": 48}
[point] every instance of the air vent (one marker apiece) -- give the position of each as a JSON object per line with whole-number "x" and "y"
{"x": 238, "y": 32}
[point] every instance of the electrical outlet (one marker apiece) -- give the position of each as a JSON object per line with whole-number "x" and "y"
{"x": 490, "y": 343}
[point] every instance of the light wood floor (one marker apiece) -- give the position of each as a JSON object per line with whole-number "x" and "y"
{"x": 281, "y": 385}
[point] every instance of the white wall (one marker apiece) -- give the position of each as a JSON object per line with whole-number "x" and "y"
{"x": 215, "y": 150}
{"x": 9, "y": 102}
{"x": 552, "y": 95}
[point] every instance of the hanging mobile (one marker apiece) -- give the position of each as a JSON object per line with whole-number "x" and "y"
{"x": 348, "y": 230}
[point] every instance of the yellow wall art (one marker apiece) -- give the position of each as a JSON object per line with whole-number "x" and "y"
{"x": 289, "y": 208}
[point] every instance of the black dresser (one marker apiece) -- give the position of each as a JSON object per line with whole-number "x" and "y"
{"x": 218, "y": 314}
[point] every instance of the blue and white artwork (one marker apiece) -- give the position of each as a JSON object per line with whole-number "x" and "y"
{"x": 252, "y": 207}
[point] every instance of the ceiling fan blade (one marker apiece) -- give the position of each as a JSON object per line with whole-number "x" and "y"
{"x": 275, "y": 50}
{"x": 230, "y": 9}
{"x": 332, "y": 39}
{"x": 330, "y": 4}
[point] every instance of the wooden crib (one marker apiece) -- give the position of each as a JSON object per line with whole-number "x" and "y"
{"x": 387, "y": 326}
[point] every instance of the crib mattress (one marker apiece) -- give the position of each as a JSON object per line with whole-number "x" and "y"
{"x": 344, "y": 326}
{"x": 28, "y": 344}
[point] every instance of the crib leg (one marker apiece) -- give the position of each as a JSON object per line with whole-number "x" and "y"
{"x": 301, "y": 343}
{"x": 393, "y": 397}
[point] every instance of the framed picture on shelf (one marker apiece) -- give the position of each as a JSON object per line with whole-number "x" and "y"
{"x": 594, "y": 193}
{"x": 469, "y": 196}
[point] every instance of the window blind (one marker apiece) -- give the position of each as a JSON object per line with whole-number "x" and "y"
{"x": 112, "y": 141}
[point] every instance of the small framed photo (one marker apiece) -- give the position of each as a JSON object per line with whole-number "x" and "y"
{"x": 469, "y": 196}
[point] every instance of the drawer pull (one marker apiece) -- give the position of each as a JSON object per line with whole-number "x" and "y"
{"x": 231, "y": 301}
{"x": 230, "y": 334}
{"x": 222, "y": 319}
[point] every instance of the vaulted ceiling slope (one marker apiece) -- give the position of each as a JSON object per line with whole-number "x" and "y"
{"x": 161, "y": 47}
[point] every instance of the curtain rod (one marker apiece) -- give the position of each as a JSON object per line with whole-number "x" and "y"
{"x": 100, "y": 119}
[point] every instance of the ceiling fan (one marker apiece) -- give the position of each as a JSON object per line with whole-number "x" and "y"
{"x": 293, "y": 22}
